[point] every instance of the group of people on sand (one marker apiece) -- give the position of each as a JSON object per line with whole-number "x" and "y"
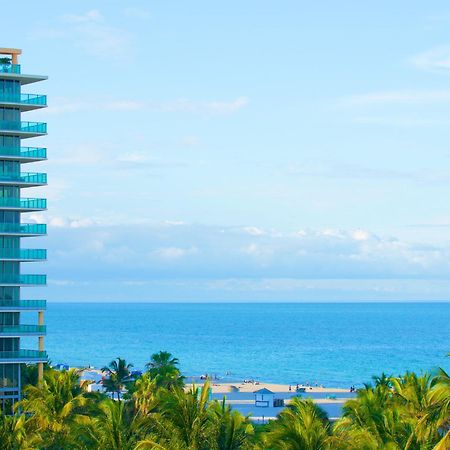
{"x": 209, "y": 376}
{"x": 299, "y": 388}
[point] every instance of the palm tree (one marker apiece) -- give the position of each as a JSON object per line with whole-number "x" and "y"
{"x": 162, "y": 359}
{"x": 183, "y": 422}
{"x": 116, "y": 427}
{"x": 163, "y": 367}
{"x": 388, "y": 416}
{"x": 145, "y": 395}
{"x": 118, "y": 373}
{"x": 383, "y": 381}
{"x": 57, "y": 409}
{"x": 372, "y": 417}
{"x": 412, "y": 393}
{"x": 230, "y": 430}
{"x": 302, "y": 425}
{"x": 14, "y": 434}
{"x": 438, "y": 414}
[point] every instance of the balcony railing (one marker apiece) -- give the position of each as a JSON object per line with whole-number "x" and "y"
{"x": 31, "y": 229}
{"x": 24, "y": 177}
{"x": 24, "y": 127}
{"x": 23, "y": 279}
{"x": 25, "y": 99}
{"x": 22, "y": 304}
{"x": 9, "y": 68}
{"x": 22, "y": 330}
{"x": 23, "y": 254}
{"x": 24, "y": 355}
{"x": 24, "y": 152}
{"x": 23, "y": 203}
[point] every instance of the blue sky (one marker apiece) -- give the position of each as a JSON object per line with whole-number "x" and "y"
{"x": 242, "y": 151}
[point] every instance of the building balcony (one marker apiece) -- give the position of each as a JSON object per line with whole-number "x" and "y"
{"x": 23, "y": 129}
{"x": 23, "y": 254}
{"x": 25, "y": 102}
{"x": 9, "y": 68}
{"x": 23, "y": 305}
{"x": 23, "y": 229}
{"x": 23, "y": 280}
{"x": 23, "y": 154}
{"x": 24, "y": 179}
{"x": 22, "y": 330}
{"x": 23, "y": 356}
{"x": 23, "y": 204}
{"x": 14, "y": 72}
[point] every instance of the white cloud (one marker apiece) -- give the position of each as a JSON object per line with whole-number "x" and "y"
{"x": 123, "y": 105}
{"x": 228, "y": 107}
{"x": 174, "y": 222}
{"x": 99, "y": 39}
{"x": 90, "y": 32}
{"x": 88, "y": 17}
{"x": 254, "y": 231}
{"x": 135, "y": 157}
{"x": 58, "y": 222}
{"x": 172, "y": 253}
{"x": 403, "y": 121}
{"x": 360, "y": 235}
{"x": 212, "y": 251}
{"x": 210, "y": 107}
{"x": 65, "y": 222}
{"x": 36, "y": 218}
{"x": 397, "y": 97}
{"x": 436, "y": 59}
{"x": 259, "y": 251}
{"x": 59, "y": 282}
{"x": 61, "y": 106}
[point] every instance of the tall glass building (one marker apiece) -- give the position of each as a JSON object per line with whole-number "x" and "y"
{"x": 14, "y": 334}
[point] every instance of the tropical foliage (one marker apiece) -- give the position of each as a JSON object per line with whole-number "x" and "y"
{"x": 160, "y": 412}
{"x": 163, "y": 367}
{"x": 118, "y": 375}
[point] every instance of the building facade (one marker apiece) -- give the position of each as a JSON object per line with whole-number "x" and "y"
{"x": 16, "y": 337}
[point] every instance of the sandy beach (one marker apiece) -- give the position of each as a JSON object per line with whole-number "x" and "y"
{"x": 227, "y": 387}
{"x": 240, "y": 395}
{"x": 219, "y": 387}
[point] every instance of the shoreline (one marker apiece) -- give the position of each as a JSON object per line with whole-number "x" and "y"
{"x": 238, "y": 386}
{"x": 230, "y": 387}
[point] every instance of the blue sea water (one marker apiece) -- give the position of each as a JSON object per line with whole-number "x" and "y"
{"x": 328, "y": 343}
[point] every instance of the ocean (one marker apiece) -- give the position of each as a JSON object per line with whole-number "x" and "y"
{"x": 334, "y": 344}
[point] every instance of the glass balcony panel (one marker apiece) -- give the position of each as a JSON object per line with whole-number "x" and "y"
{"x": 26, "y": 99}
{"x": 24, "y": 354}
{"x": 25, "y": 127}
{"x": 23, "y": 304}
{"x": 24, "y": 177}
{"x": 25, "y": 279}
{"x": 23, "y": 228}
{"x": 23, "y": 203}
{"x": 9, "y": 68}
{"x": 24, "y": 152}
{"x": 23, "y": 253}
{"x": 22, "y": 329}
